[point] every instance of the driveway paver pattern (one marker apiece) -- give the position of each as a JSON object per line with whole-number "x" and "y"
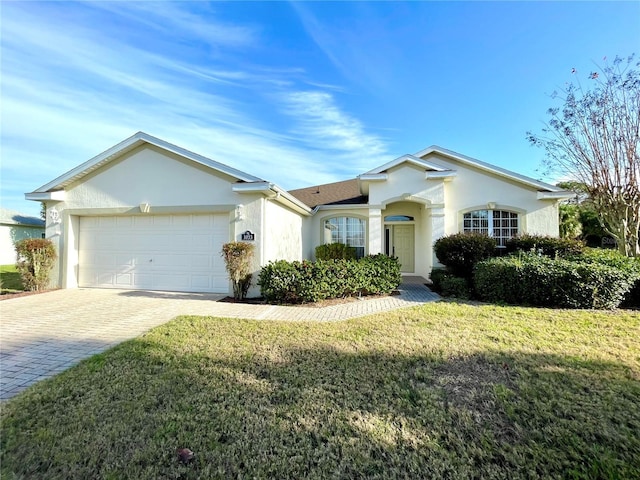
{"x": 45, "y": 334}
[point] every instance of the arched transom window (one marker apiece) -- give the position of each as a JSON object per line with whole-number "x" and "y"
{"x": 499, "y": 224}
{"x": 347, "y": 230}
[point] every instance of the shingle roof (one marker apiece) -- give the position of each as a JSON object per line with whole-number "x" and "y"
{"x": 11, "y": 217}
{"x": 346, "y": 192}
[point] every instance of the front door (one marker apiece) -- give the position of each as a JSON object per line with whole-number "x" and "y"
{"x": 403, "y": 247}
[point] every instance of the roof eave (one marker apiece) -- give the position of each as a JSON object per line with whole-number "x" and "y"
{"x": 273, "y": 191}
{"x": 57, "y": 196}
{"x": 559, "y": 195}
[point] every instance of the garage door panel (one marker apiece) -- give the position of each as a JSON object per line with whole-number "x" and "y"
{"x": 202, "y": 281}
{"x": 124, "y": 279}
{"x": 204, "y": 221}
{"x": 202, "y": 243}
{"x": 162, "y": 252}
{"x": 124, "y": 222}
{"x": 200, "y": 261}
{"x": 125, "y": 259}
{"x": 105, "y": 260}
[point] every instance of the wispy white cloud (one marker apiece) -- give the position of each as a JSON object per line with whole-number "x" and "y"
{"x": 319, "y": 121}
{"x": 179, "y": 23}
{"x": 70, "y": 91}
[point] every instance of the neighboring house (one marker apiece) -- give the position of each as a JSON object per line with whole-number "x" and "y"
{"x": 15, "y": 226}
{"x": 146, "y": 214}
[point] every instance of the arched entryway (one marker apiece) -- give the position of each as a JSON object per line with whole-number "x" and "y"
{"x": 404, "y": 233}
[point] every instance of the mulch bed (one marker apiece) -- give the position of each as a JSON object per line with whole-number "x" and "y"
{"x": 9, "y": 296}
{"x": 320, "y": 304}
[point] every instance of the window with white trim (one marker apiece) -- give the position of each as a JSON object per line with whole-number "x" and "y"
{"x": 347, "y": 230}
{"x": 499, "y": 224}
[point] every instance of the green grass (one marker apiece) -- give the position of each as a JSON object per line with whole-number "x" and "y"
{"x": 10, "y": 281}
{"x": 444, "y": 390}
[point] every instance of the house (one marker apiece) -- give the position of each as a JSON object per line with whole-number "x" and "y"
{"x": 147, "y": 214}
{"x": 15, "y": 226}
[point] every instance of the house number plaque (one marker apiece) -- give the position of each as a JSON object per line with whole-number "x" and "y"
{"x": 248, "y": 236}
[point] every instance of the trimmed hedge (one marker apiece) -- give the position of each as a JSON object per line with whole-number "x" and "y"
{"x": 549, "y": 246}
{"x": 613, "y": 258}
{"x": 540, "y": 281}
{"x": 335, "y": 251}
{"x": 448, "y": 285}
{"x": 301, "y": 282}
{"x": 461, "y": 251}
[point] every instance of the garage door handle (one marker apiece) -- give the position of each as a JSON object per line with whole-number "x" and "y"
{"x": 151, "y": 259}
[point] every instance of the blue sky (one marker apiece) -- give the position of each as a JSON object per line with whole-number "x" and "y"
{"x": 295, "y": 93}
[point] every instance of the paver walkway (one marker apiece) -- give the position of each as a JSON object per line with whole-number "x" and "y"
{"x": 42, "y": 335}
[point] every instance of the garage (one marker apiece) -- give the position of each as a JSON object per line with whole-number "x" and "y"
{"x": 178, "y": 253}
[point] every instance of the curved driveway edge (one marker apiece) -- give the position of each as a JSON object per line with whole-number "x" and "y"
{"x": 42, "y": 335}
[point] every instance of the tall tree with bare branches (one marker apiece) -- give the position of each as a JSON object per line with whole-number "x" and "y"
{"x": 594, "y": 138}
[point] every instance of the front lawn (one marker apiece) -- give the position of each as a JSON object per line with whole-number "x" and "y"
{"x": 10, "y": 281}
{"x": 439, "y": 391}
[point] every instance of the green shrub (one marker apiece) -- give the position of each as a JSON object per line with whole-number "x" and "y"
{"x": 531, "y": 279}
{"x": 448, "y": 285}
{"x": 237, "y": 258}
{"x": 335, "y": 251}
{"x": 461, "y": 251}
{"x": 545, "y": 245}
{"x": 456, "y": 287}
{"x": 613, "y": 258}
{"x": 301, "y": 282}
{"x": 36, "y": 257}
{"x": 437, "y": 276}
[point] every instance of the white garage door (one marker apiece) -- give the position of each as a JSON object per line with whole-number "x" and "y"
{"x": 154, "y": 252}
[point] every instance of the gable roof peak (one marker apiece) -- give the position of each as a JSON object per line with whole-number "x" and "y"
{"x": 131, "y": 143}
{"x": 479, "y": 164}
{"x": 406, "y": 158}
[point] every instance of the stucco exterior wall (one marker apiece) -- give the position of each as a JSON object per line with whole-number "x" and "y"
{"x": 403, "y": 180}
{"x": 473, "y": 189}
{"x": 9, "y": 234}
{"x": 283, "y": 234}
{"x": 148, "y": 175}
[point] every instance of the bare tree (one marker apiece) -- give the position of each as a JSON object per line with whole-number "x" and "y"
{"x": 594, "y": 139}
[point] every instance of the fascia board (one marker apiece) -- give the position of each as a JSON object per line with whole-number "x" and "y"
{"x": 274, "y": 192}
{"x": 445, "y": 175}
{"x": 560, "y": 195}
{"x": 58, "y": 196}
{"x": 253, "y": 187}
{"x": 373, "y": 177}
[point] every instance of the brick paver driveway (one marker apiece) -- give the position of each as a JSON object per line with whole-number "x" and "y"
{"x": 42, "y": 335}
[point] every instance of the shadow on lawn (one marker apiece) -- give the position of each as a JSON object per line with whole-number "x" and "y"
{"x": 327, "y": 413}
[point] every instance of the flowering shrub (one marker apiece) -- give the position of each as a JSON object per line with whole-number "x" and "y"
{"x": 36, "y": 257}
